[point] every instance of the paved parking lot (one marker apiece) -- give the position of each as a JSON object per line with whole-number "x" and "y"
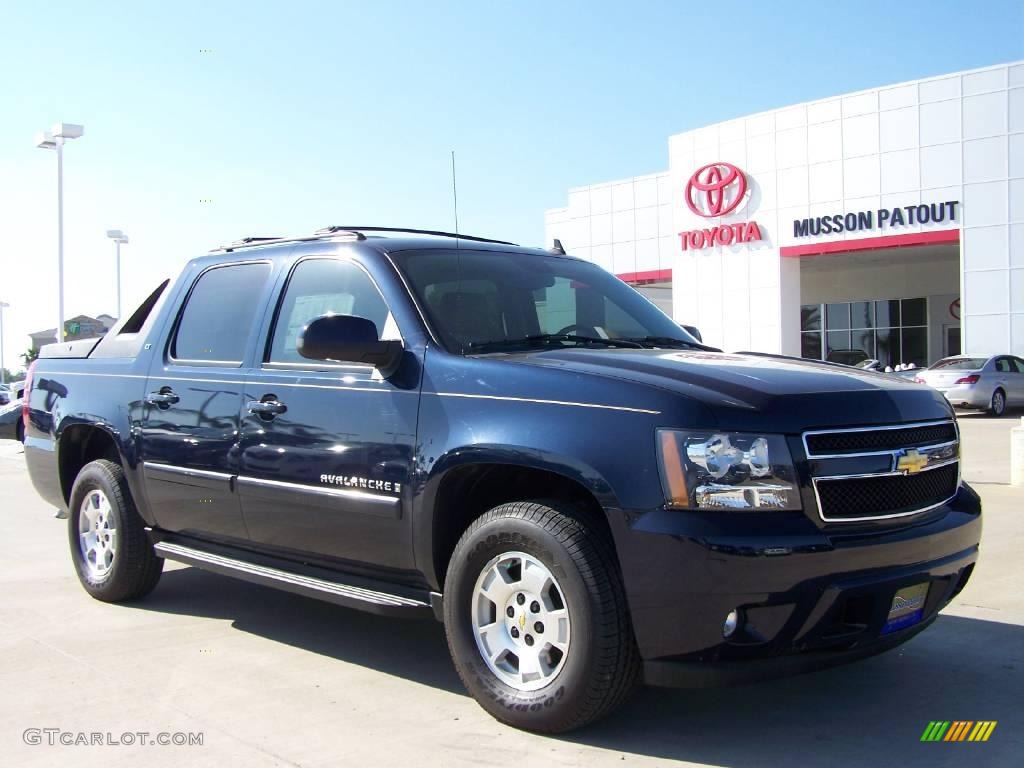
{"x": 273, "y": 679}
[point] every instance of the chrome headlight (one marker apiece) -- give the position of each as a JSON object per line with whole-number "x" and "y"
{"x": 726, "y": 470}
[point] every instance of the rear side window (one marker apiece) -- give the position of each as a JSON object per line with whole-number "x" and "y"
{"x": 219, "y": 314}
{"x": 139, "y": 316}
{"x": 320, "y": 287}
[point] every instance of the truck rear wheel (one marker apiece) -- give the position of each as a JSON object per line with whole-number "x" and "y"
{"x": 536, "y": 618}
{"x": 113, "y": 556}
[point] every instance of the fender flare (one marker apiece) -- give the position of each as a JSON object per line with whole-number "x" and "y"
{"x": 425, "y": 509}
{"x": 125, "y": 451}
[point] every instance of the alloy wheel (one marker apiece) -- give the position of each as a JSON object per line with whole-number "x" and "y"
{"x": 998, "y": 403}
{"x": 520, "y": 621}
{"x": 97, "y": 534}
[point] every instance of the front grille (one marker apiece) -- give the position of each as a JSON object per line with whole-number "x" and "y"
{"x": 850, "y": 498}
{"x": 866, "y": 441}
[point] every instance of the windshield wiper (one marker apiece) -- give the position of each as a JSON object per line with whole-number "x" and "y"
{"x": 545, "y": 338}
{"x": 665, "y": 341}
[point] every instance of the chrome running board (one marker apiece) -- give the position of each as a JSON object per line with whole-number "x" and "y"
{"x": 350, "y": 595}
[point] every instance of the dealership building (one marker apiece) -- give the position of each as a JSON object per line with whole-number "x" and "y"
{"x": 889, "y": 221}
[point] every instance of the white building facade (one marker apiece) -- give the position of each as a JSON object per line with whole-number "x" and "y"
{"x": 889, "y": 222}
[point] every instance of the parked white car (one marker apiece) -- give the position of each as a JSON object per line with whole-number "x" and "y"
{"x": 991, "y": 383}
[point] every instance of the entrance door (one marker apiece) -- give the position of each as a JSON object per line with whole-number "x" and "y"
{"x": 951, "y": 340}
{"x": 326, "y": 449}
{"x": 189, "y": 426}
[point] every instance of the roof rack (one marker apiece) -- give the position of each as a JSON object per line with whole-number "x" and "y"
{"x": 255, "y": 240}
{"x": 333, "y": 229}
{"x": 251, "y": 242}
{"x": 245, "y": 242}
{"x": 355, "y": 232}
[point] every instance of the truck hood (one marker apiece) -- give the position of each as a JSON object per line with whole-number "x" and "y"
{"x": 750, "y": 391}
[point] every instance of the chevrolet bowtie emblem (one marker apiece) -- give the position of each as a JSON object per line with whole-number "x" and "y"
{"x": 522, "y": 621}
{"x": 911, "y": 462}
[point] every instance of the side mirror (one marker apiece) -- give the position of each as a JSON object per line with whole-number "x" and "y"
{"x": 693, "y": 331}
{"x": 349, "y": 339}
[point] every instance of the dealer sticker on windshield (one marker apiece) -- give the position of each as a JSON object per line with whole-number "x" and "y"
{"x": 907, "y": 608}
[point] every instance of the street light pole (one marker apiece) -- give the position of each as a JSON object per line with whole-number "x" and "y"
{"x": 3, "y": 305}
{"x": 60, "y": 237}
{"x": 54, "y": 139}
{"x": 118, "y": 237}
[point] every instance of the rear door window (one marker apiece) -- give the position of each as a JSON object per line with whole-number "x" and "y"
{"x": 218, "y": 317}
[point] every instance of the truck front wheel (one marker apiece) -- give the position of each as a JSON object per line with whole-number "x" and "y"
{"x": 536, "y": 618}
{"x": 113, "y": 556}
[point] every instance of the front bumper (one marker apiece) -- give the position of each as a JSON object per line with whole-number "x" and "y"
{"x": 808, "y": 597}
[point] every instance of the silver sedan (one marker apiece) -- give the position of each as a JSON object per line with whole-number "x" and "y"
{"x": 991, "y": 383}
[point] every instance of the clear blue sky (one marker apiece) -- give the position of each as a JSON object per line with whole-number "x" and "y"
{"x": 307, "y": 114}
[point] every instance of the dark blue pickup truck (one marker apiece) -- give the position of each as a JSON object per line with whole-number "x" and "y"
{"x": 515, "y": 442}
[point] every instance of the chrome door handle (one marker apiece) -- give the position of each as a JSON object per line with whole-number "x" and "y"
{"x": 163, "y": 399}
{"x": 267, "y": 408}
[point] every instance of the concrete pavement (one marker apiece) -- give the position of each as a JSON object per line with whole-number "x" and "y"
{"x": 271, "y": 679}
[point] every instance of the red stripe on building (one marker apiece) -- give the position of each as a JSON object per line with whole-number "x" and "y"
{"x": 650, "y": 276}
{"x": 932, "y": 237}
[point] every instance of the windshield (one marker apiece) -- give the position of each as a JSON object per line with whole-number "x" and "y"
{"x": 959, "y": 364}
{"x": 496, "y": 301}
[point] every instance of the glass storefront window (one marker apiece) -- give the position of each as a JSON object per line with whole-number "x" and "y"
{"x": 810, "y": 345}
{"x": 915, "y": 346}
{"x": 914, "y": 312}
{"x": 837, "y": 316}
{"x": 893, "y": 331}
{"x": 887, "y": 314}
{"x": 888, "y": 347}
{"x": 810, "y": 318}
{"x": 864, "y": 340}
{"x": 837, "y": 340}
{"x": 862, "y": 314}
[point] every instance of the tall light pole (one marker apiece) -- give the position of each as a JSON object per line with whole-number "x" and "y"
{"x": 118, "y": 237}
{"x": 54, "y": 139}
{"x": 3, "y": 305}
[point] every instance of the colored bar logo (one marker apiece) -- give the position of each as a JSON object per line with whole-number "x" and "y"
{"x": 959, "y": 730}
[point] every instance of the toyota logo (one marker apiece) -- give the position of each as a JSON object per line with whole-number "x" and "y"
{"x": 716, "y": 189}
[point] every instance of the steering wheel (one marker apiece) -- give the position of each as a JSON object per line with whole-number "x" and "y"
{"x": 578, "y": 327}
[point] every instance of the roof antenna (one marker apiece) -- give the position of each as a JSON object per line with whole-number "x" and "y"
{"x": 455, "y": 200}
{"x": 557, "y": 248}
{"x": 458, "y": 254}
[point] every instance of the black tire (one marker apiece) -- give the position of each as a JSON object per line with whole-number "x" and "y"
{"x": 19, "y": 431}
{"x": 602, "y": 665}
{"x": 135, "y": 569}
{"x": 998, "y": 405}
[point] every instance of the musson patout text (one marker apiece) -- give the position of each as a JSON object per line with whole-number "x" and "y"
{"x": 882, "y": 218}
{"x": 908, "y": 215}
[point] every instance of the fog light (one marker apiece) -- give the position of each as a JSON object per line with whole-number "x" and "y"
{"x": 732, "y": 620}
